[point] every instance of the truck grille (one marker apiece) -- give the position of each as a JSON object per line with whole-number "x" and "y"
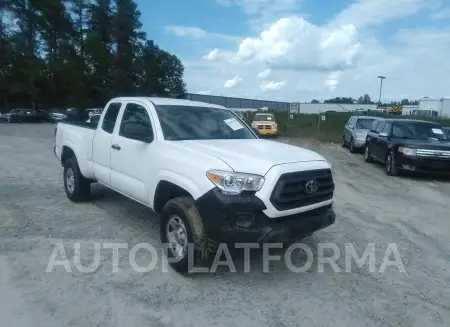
{"x": 439, "y": 154}
{"x": 291, "y": 192}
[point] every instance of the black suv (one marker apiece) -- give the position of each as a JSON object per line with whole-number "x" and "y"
{"x": 405, "y": 144}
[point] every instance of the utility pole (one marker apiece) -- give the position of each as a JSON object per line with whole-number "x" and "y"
{"x": 381, "y": 87}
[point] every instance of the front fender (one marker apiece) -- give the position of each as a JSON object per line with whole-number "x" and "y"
{"x": 195, "y": 189}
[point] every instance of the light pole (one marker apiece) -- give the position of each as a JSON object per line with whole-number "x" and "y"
{"x": 381, "y": 86}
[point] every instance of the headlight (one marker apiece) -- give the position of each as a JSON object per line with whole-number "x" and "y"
{"x": 274, "y": 125}
{"x": 407, "y": 151}
{"x": 235, "y": 183}
{"x": 360, "y": 136}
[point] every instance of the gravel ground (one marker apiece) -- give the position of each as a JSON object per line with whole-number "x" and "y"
{"x": 371, "y": 208}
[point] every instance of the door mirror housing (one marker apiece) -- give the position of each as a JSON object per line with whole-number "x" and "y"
{"x": 138, "y": 131}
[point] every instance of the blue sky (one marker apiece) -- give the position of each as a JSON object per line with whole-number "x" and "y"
{"x": 296, "y": 50}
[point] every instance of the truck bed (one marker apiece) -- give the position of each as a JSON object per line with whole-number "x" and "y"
{"x": 79, "y": 124}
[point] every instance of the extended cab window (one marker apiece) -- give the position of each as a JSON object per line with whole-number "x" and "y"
{"x": 138, "y": 117}
{"x": 200, "y": 123}
{"x": 109, "y": 121}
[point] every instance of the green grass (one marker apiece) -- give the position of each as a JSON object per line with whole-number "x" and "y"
{"x": 330, "y": 129}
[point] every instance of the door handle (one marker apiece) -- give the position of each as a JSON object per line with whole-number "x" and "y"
{"x": 116, "y": 146}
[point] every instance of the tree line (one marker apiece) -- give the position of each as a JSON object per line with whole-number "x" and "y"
{"x": 365, "y": 99}
{"x": 60, "y": 53}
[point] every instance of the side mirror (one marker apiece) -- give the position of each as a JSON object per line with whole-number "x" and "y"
{"x": 137, "y": 131}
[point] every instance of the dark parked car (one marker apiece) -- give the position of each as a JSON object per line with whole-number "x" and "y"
{"x": 25, "y": 116}
{"x": 355, "y": 131}
{"x": 447, "y": 130}
{"x": 408, "y": 145}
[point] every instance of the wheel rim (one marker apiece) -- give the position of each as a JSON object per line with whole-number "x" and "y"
{"x": 70, "y": 180}
{"x": 389, "y": 163}
{"x": 366, "y": 152}
{"x": 177, "y": 236}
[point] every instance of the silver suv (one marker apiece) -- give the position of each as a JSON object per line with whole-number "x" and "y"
{"x": 355, "y": 132}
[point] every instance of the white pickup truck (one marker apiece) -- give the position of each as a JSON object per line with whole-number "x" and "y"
{"x": 202, "y": 169}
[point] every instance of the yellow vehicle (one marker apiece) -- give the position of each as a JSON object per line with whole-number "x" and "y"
{"x": 265, "y": 124}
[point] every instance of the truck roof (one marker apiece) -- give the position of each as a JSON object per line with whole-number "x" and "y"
{"x": 170, "y": 102}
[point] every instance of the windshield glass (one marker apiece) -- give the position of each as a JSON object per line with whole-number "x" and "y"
{"x": 420, "y": 131}
{"x": 263, "y": 117}
{"x": 364, "y": 123}
{"x": 200, "y": 123}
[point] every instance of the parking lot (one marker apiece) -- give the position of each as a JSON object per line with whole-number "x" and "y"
{"x": 372, "y": 208}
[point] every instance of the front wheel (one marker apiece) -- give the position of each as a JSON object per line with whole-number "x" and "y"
{"x": 390, "y": 165}
{"x": 343, "y": 142}
{"x": 182, "y": 231}
{"x": 77, "y": 187}
{"x": 367, "y": 156}
{"x": 352, "y": 147}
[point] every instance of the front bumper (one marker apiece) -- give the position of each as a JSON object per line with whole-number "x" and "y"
{"x": 359, "y": 143}
{"x": 268, "y": 131}
{"x": 423, "y": 165}
{"x": 240, "y": 218}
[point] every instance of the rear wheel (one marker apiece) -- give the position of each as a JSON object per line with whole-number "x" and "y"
{"x": 183, "y": 233}
{"x": 77, "y": 187}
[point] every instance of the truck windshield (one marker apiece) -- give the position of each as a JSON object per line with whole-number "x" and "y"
{"x": 263, "y": 117}
{"x": 419, "y": 131}
{"x": 200, "y": 123}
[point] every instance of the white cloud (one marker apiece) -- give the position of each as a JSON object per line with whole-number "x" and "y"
{"x": 272, "y": 86}
{"x": 233, "y": 82}
{"x": 294, "y": 43}
{"x": 264, "y": 74}
{"x": 333, "y": 80}
{"x": 197, "y": 33}
{"x": 298, "y": 61}
{"x": 212, "y": 55}
{"x": 187, "y": 31}
{"x": 363, "y": 13}
{"x": 443, "y": 14}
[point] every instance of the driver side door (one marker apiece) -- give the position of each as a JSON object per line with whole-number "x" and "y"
{"x": 131, "y": 150}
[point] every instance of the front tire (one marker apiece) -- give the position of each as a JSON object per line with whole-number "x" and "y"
{"x": 367, "y": 156}
{"x": 390, "y": 166}
{"x": 181, "y": 228}
{"x": 352, "y": 147}
{"x": 343, "y": 142}
{"x": 77, "y": 187}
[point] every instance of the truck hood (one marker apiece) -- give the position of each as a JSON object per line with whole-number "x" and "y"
{"x": 255, "y": 156}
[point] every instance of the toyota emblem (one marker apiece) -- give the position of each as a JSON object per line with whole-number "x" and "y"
{"x": 311, "y": 187}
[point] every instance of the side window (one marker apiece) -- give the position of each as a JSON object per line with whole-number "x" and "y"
{"x": 109, "y": 121}
{"x": 374, "y": 126}
{"x": 352, "y": 122}
{"x": 349, "y": 121}
{"x": 380, "y": 126}
{"x": 136, "y": 123}
{"x": 387, "y": 128}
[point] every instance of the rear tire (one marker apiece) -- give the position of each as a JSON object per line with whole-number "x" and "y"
{"x": 181, "y": 219}
{"x": 77, "y": 187}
